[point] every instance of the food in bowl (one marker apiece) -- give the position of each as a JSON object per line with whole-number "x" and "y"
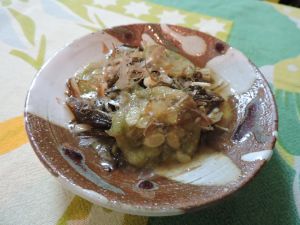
{"x": 152, "y": 101}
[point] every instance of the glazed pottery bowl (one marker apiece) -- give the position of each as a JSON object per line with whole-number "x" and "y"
{"x": 237, "y": 156}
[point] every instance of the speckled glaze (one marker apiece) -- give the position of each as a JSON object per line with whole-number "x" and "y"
{"x": 230, "y": 162}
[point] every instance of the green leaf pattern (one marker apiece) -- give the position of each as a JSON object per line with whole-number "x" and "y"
{"x": 26, "y": 23}
{"x": 35, "y": 62}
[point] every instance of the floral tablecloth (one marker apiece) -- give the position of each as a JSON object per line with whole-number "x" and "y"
{"x": 33, "y": 30}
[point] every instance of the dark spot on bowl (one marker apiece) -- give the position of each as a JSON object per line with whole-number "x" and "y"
{"x": 73, "y": 155}
{"x": 146, "y": 184}
{"x": 220, "y": 47}
{"x": 128, "y": 36}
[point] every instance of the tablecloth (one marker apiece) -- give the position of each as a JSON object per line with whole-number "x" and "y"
{"x": 32, "y": 30}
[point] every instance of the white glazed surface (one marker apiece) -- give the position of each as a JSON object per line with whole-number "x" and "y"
{"x": 235, "y": 68}
{"x": 209, "y": 168}
{"x": 260, "y": 155}
{"x": 191, "y": 44}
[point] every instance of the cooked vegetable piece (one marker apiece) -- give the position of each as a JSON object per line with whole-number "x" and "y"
{"x": 85, "y": 112}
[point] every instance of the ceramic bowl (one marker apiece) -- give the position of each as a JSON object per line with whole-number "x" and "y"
{"x": 212, "y": 175}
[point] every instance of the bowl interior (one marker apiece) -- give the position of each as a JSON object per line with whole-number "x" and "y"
{"x": 216, "y": 172}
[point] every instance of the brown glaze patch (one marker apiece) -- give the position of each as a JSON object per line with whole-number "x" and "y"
{"x": 132, "y": 35}
{"x": 128, "y": 34}
{"x": 47, "y": 138}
